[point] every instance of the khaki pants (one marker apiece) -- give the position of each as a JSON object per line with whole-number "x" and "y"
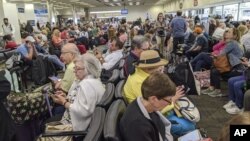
{"x": 54, "y": 127}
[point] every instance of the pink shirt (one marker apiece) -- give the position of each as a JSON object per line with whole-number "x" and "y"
{"x": 218, "y": 47}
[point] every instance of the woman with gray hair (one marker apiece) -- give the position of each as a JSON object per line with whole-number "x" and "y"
{"x": 84, "y": 94}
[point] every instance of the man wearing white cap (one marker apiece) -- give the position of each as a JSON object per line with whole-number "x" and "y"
{"x": 27, "y": 50}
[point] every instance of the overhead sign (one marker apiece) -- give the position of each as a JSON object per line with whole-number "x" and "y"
{"x": 40, "y": 11}
{"x": 124, "y": 11}
{"x": 20, "y": 10}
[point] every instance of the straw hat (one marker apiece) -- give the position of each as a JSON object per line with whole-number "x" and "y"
{"x": 151, "y": 58}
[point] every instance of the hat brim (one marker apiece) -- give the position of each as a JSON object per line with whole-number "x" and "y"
{"x": 161, "y": 63}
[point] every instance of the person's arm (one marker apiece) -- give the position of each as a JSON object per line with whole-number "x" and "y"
{"x": 138, "y": 131}
{"x": 29, "y": 56}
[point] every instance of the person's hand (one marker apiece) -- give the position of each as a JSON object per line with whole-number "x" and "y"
{"x": 59, "y": 92}
{"x": 179, "y": 93}
{"x": 98, "y": 55}
{"x": 59, "y": 98}
{"x": 58, "y": 85}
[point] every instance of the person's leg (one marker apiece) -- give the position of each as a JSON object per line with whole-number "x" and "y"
{"x": 56, "y": 61}
{"x": 247, "y": 100}
{"x": 196, "y": 59}
{"x": 175, "y": 44}
{"x": 199, "y": 65}
{"x": 215, "y": 78}
{"x": 231, "y": 88}
{"x": 239, "y": 92}
{"x": 239, "y": 96}
{"x": 158, "y": 40}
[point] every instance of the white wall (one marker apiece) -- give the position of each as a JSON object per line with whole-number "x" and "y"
{"x": 10, "y": 12}
{"x": 28, "y": 12}
{"x": 134, "y": 12}
{"x": 188, "y": 4}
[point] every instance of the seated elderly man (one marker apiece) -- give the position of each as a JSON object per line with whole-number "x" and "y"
{"x": 28, "y": 51}
{"x": 109, "y": 60}
{"x": 139, "y": 43}
{"x": 69, "y": 53}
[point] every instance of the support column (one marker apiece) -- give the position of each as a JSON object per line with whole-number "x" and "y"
{"x": 12, "y": 16}
{"x": 51, "y": 12}
{"x": 238, "y": 13}
{"x": 86, "y": 10}
{"x": 74, "y": 14}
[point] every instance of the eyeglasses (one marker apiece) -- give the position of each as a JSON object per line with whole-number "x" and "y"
{"x": 78, "y": 68}
{"x": 166, "y": 100}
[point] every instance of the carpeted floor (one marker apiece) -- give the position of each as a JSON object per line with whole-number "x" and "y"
{"x": 213, "y": 116}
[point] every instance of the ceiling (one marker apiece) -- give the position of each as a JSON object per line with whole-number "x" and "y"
{"x": 61, "y": 4}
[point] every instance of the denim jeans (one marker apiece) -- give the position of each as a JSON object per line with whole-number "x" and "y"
{"x": 180, "y": 125}
{"x": 235, "y": 85}
{"x": 203, "y": 60}
{"x": 54, "y": 59}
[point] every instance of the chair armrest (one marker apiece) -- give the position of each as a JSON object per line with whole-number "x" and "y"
{"x": 65, "y": 133}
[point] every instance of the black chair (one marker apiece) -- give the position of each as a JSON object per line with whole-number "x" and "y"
{"x": 114, "y": 77}
{"x": 121, "y": 63}
{"x": 111, "y": 130}
{"x": 93, "y": 133}
{"x": 108, "y": 96}
{"x": 119, "y": 91}
{"x": 122, "y": 74}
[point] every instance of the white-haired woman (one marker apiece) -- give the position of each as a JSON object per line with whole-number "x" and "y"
{"x": 83, "y": 96}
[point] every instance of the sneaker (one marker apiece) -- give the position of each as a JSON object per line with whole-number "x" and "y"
{"x": 234, "y": 110}
{"x": 207, "y": 91}
{"x": 230, "y": 104}
{"x": 215, "y": 93}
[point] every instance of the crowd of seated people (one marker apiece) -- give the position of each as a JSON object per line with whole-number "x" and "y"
{"x": 150, "y": 93}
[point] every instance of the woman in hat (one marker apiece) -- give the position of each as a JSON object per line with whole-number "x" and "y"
{"x": 149, "y": 63}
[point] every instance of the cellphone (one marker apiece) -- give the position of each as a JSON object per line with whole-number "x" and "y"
{"x": 54, "y": 78}
{"x": 187, "y": 90}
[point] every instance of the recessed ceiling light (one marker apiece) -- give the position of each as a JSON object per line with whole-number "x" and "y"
{"x": 106, "y": 0}
{"x": 130, "y": 3}
{"x": 137, "y": 3}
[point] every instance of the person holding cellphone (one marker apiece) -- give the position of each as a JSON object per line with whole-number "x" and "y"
{"x": 83, "y": 96}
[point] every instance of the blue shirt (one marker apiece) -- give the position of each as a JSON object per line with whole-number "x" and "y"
{"x": 23, "y": 50}
{"x": 234, "y": 52}
{"x": 179, "y": 27}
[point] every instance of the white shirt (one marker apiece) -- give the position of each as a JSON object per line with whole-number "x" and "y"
{"x": 84, "y": 34}
{"x": 218, "y": 33}
{"x": 8, "y": 29}
{"x": 245, "y": 40}
{"x": 112, "y": 59}
{"x": 84, "y": 96}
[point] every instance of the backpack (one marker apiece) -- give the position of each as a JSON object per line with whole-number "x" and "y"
{"x": 44, "y": 68}
{"x": 182, "y": 74}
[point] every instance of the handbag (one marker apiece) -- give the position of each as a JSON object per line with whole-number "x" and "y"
{"x": 221, "y": 63}
{"x": 24, "y": 107}
{"x": 204, "y": 77}
{"x": 187, "y": 109}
